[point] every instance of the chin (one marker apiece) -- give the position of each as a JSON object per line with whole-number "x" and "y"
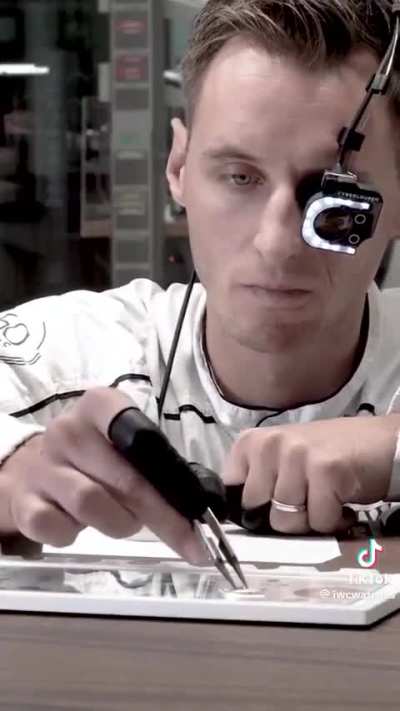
{"x": 273, "y": 336}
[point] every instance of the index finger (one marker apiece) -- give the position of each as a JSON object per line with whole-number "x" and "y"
{"x": 98, "y": 407}
{"x": 101, "y": 461}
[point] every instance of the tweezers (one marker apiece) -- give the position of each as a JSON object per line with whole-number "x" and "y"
{"x": 182, "y": 485}
{"x": 220, "y": 550}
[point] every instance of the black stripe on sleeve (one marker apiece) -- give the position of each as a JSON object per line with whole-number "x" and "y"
{"x": 48, "y": 401}
{"x": 131, "y": 376}
{"x": 74, "y": 394}
{"x": 207, "y": 419}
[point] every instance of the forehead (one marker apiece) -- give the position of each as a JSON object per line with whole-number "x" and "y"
{"x": 272, "y": 102}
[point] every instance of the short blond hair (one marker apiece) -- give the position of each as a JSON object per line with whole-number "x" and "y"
{"x": 316, "y": 32}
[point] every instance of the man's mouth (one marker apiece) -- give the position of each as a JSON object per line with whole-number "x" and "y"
{"x": 283, "y": 293}
{"x": 284, "y": 288}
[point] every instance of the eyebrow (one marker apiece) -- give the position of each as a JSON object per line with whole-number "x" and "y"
{"x": 228, "y": 151}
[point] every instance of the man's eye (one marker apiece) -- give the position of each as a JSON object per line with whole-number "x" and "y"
{"x": 243, "y": 180}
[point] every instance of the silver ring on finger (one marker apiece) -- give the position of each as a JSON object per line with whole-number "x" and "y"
{"x": 288, "y": 508}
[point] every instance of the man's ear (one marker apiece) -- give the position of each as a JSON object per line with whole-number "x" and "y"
{"x": 175, "y": 171}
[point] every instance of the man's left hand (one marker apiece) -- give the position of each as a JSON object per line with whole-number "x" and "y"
{"x": 322, "y": 465}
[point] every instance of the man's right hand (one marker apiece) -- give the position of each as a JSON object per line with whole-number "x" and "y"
{"x": 70, "y": 477}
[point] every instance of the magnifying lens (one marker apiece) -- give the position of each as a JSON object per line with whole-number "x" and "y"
{"x": 345, "y": 212}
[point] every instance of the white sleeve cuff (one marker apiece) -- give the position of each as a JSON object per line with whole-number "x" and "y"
{"x": 13, "y": 433}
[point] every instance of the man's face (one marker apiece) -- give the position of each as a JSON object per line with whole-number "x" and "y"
{"x": 262, "y": 125}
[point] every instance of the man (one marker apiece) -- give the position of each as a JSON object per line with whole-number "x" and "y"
{"x": 284, "y": 346}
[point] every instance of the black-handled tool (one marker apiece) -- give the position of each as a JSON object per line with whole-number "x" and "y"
{"x": 143, "y": 444}
{"x": 226, "y": 502}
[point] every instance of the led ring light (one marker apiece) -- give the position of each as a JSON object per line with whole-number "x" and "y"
{"x": 345, "y": 212}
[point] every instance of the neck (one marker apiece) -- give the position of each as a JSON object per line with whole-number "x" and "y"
{"x": 288, "y": 378}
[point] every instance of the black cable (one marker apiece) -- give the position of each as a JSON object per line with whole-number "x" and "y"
{"x": 174, "y": 345}
{"x": 377, "y": 85}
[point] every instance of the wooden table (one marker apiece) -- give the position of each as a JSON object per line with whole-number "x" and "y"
{"x": 53, "y": 663}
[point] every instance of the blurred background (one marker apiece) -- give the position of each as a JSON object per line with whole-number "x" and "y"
{"x": 87, "y": 91}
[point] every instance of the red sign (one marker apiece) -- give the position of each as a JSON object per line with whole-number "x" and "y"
{"x": 131, "y": 67}
{"x": 131, "y": 27}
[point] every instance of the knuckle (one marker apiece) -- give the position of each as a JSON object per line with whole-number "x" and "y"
{"x": 241, "y": 443}
{"x": 331, "y": 474}
{"x": 36, "y": 519}
{"x": 295, "y": 450}
{"x": 124, "y": 528}
{"x": 255, "y": 443}
{"x": 62, "y": 537}
{"x": 327, "y": 465}
{"x": 84, "y": 499}
{"x": 61, "y": 434}
{"x": 37, "y": 522}
{"x": 267, "y": 442}
{"x": 93, "y": 399}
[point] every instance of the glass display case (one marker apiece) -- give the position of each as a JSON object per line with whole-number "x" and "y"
{"x": 86, "y": 98}
{"x": 49, "y": 55}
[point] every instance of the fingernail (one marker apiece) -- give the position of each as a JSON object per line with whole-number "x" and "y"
{"x": 195, "y": 551}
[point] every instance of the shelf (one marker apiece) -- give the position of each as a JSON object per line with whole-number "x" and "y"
{"x": 103, "y": 228}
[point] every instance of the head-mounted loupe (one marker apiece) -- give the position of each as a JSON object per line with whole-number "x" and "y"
{"x": 343, "y": 215}
{"x": 345, "y": 212}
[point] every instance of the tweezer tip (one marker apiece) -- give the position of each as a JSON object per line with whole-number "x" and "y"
{"x": 240, "y": 574}
{"x": 224, "y": 546}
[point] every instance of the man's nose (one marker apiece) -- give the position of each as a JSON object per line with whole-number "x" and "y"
{"x": 279, "y": 230}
